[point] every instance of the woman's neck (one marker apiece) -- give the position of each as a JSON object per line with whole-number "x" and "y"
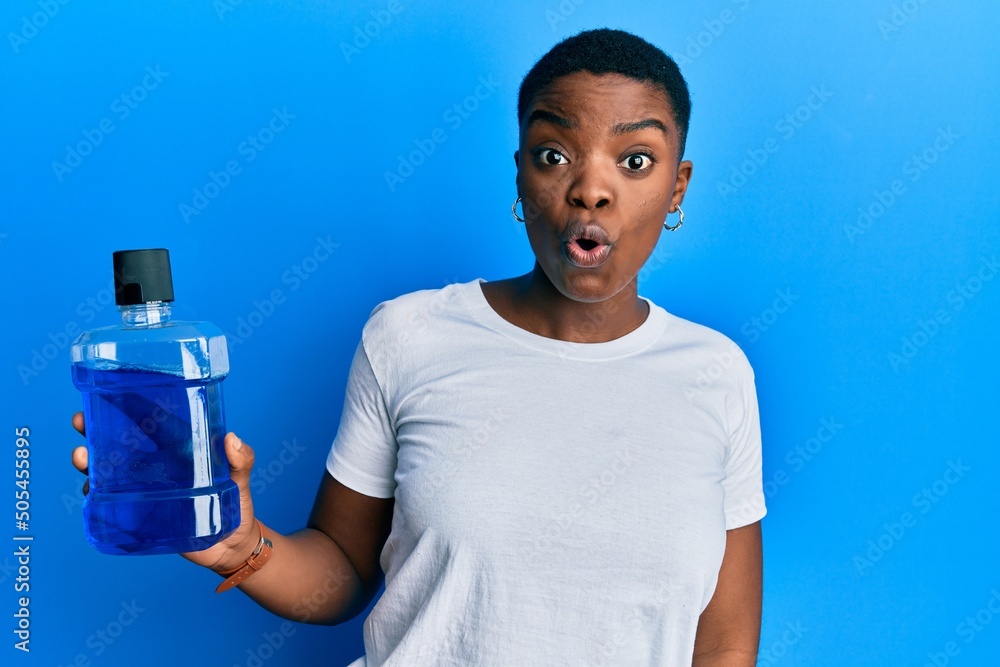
{"x": 532, "y": 302}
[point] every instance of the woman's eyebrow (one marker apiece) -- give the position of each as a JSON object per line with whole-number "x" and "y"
{"x": 627, "y": 128}
{"x": 548, "y": 116}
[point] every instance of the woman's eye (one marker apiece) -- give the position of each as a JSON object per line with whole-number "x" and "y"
{"x": 638, "y": 162}
{"x": 551, "y": 156}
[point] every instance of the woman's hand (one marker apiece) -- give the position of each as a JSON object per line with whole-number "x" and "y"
{"x": 311, "y": 576}
{"x": 231, "y": 552}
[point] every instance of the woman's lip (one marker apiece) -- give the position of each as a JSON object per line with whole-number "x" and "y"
{"x": 592, "y": 231}
{"x": 586, "y": 259}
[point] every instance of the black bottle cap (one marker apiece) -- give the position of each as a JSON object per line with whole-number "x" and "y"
{"x": 142, "y": 276}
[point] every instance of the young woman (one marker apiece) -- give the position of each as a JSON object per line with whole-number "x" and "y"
{"x": 548, "y": 469}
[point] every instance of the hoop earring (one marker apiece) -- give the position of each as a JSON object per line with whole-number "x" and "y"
{"x": 513, "y": 210}
{"x": 680, "y": 222}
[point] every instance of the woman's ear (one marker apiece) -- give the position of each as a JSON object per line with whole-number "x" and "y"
{"x": 681, "y": 183}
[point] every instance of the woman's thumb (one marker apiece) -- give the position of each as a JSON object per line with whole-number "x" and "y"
{"x": 240, "y": 457}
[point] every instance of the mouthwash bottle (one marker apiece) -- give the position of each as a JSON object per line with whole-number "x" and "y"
{"x": 152, "y": 396}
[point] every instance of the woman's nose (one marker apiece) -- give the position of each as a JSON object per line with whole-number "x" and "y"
{"x": 591, "y": 187}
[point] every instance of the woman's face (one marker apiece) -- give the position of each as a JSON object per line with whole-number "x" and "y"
{"x": 597, "y": 150}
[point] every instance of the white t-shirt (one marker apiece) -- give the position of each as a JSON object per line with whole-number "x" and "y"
{"x": 556, "y": 503}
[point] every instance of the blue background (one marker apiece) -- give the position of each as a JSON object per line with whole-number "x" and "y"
{"x": 849, "y": 247}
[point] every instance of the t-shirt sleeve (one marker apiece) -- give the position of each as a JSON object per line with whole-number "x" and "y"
{"x": 743, "y": 484}
{"x": 363, "y": 455}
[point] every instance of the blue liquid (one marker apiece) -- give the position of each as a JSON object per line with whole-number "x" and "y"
{"x": 159, "y": 477}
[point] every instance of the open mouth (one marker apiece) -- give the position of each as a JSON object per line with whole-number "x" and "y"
{"x": 586, "y": 253}
{"x": 586, "y": 245}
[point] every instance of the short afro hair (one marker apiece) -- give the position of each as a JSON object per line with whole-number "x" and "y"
{"x": 609, "y": 51}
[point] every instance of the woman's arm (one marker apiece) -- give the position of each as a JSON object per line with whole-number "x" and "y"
{"x": 325, "y": 573}
{"x": 328, "y": 572}
{"x": 729, "y": 628}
